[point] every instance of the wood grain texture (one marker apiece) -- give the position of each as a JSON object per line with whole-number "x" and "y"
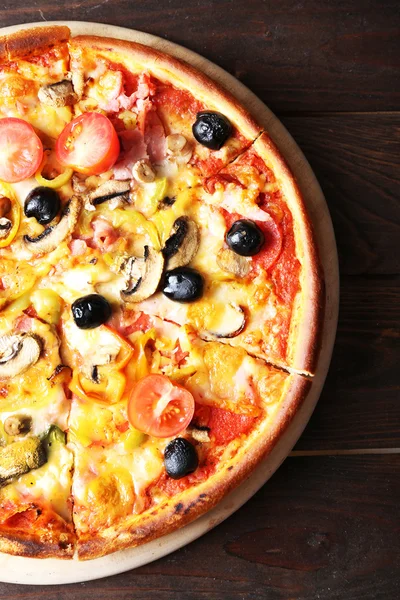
{"x": 304, "y": 55}
{"x": 320, "y": 528}
{"x": 356, "y": 158}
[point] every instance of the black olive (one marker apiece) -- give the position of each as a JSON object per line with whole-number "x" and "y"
{"x": 91, "y": 311}
{"x": 211, "y": 129}
{"x": 245, "y": 238}
{"x": 183, "y": 284}
{"x": 43, "y": 204}
{"x": 180, "y": 458}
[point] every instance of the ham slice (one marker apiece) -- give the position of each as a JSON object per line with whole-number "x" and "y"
{"x": 133, "y": 149}
{"x": 77, "y": 247}
{"x": 154, "y": 137}
{"x": 104, "y": 236}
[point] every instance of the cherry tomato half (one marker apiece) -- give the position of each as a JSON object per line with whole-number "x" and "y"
{"x": 160, "y": 408}
{"x": 89, "y": 144}
{"x": 21, "y": 150}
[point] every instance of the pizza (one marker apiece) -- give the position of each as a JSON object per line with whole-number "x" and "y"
{"x": 160, "y": 294}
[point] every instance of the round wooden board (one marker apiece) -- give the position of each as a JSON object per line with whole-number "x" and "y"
{"x": 50, "y": 571}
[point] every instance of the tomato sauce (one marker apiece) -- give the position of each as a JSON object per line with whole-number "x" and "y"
{"x": 225, "y": 425}
{"x": 179, "y": 101}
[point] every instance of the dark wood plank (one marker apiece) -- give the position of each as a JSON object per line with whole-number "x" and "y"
{"x": 321, "y": 528}
{"x": 359, "y": 406}
{"x": 308, "y": 55}
{"x": 356, "y": 159}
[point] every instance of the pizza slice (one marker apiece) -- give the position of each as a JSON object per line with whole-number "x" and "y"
{"x": 35, "y": 464}
{"x": 167, "y": 114}
{"x": 193, "y": 418}
{"x": 253, "y": 271}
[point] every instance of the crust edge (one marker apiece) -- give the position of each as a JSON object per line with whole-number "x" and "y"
{"x": 305, "y": 333}
{"x": 28, "y": 42}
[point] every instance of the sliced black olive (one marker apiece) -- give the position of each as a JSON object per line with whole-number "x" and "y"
{"x": 42, "y": 203}
{"x": 91, "y": 311}
{"x": 180, "y": 458}
{"x": 245, "y": 238}
{"x": 211, "y": 129}
{"x": 183, "y": 284}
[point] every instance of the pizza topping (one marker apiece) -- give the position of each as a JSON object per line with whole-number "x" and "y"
{"x": 200, "y": 434}
{"x": 91, "y": 311}
{"x": 52, "y": 236}
{"x": 18, "y": 352}
{"x": 183, "y": 284}
{"x": 43, "y": 204}
{"x": 233, "y": 263}
{"x": 89, "y": 144}
{"x": 160, "y": 408}
{"x": 142, "y": 171}
{"x": 175, "y": 143}
{"x": 21, "y": 150}
{"x": 108, "y": 190}
{"x": 18, "y": 424}
{"x": 5, "y": 206}
{"x": 179, "y": 148}
{"x": 5, "y": 226}
{"x": 10, "y": 216}
{"x": 142, "y": 275}
{"x": 227, "y": 322}
{"x": 180, "y": 458}
{"x": 19, "y": 458}
{"x": 57, "y": 94}
{"x": 245, "y": 238}
{"x": 182, "y": 244}
{"x": 211, "y": 129}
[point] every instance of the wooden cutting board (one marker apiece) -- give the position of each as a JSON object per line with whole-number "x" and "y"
{"x": 50, "y": 571}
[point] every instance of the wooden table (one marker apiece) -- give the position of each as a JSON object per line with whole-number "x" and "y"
{"x": 325, "y": 525}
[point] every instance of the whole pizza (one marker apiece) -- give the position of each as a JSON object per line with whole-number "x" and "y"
{"x": 160, "y": 294}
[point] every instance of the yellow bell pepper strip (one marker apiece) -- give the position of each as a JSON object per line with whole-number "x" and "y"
{"x": 14, "y": 214}
{"x": 108, "y": 391}
{"x": 55, "y": 183}
{"x": 126, "y": 352}
{"x": 153, "y": 193}
{"x": 112, "y": 382}
{"x": 133, "y": 219}
{"x": 58, "y": 181}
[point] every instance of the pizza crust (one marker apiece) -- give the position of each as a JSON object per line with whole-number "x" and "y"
{"x": 192, "y": 503}
{"x": 304, "y": 338}
{"x": 28, "y": 42}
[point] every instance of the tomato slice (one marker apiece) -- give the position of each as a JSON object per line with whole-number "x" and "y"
{"x": 89, "y": 144}
{"x": 160, "y": 408}
{"x": 21, "y": 150}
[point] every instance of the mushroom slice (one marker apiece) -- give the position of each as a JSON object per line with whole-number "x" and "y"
{"x": 142, "y": 275}
{"x": 53, "y": 235}
{"x": 17, "y": 353}
{"x": 19, "y": 458}
{"x": 229, "y": 261}
{"x": 18, "y": 424}
{"x": 57, "y": 94}
{"x": 228, "y": 322}
{"x": 200, "y": 434}
{"x": 5, "y": 226}
{"x": 182, "y": 244}
{"x": 108, "y": 190}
